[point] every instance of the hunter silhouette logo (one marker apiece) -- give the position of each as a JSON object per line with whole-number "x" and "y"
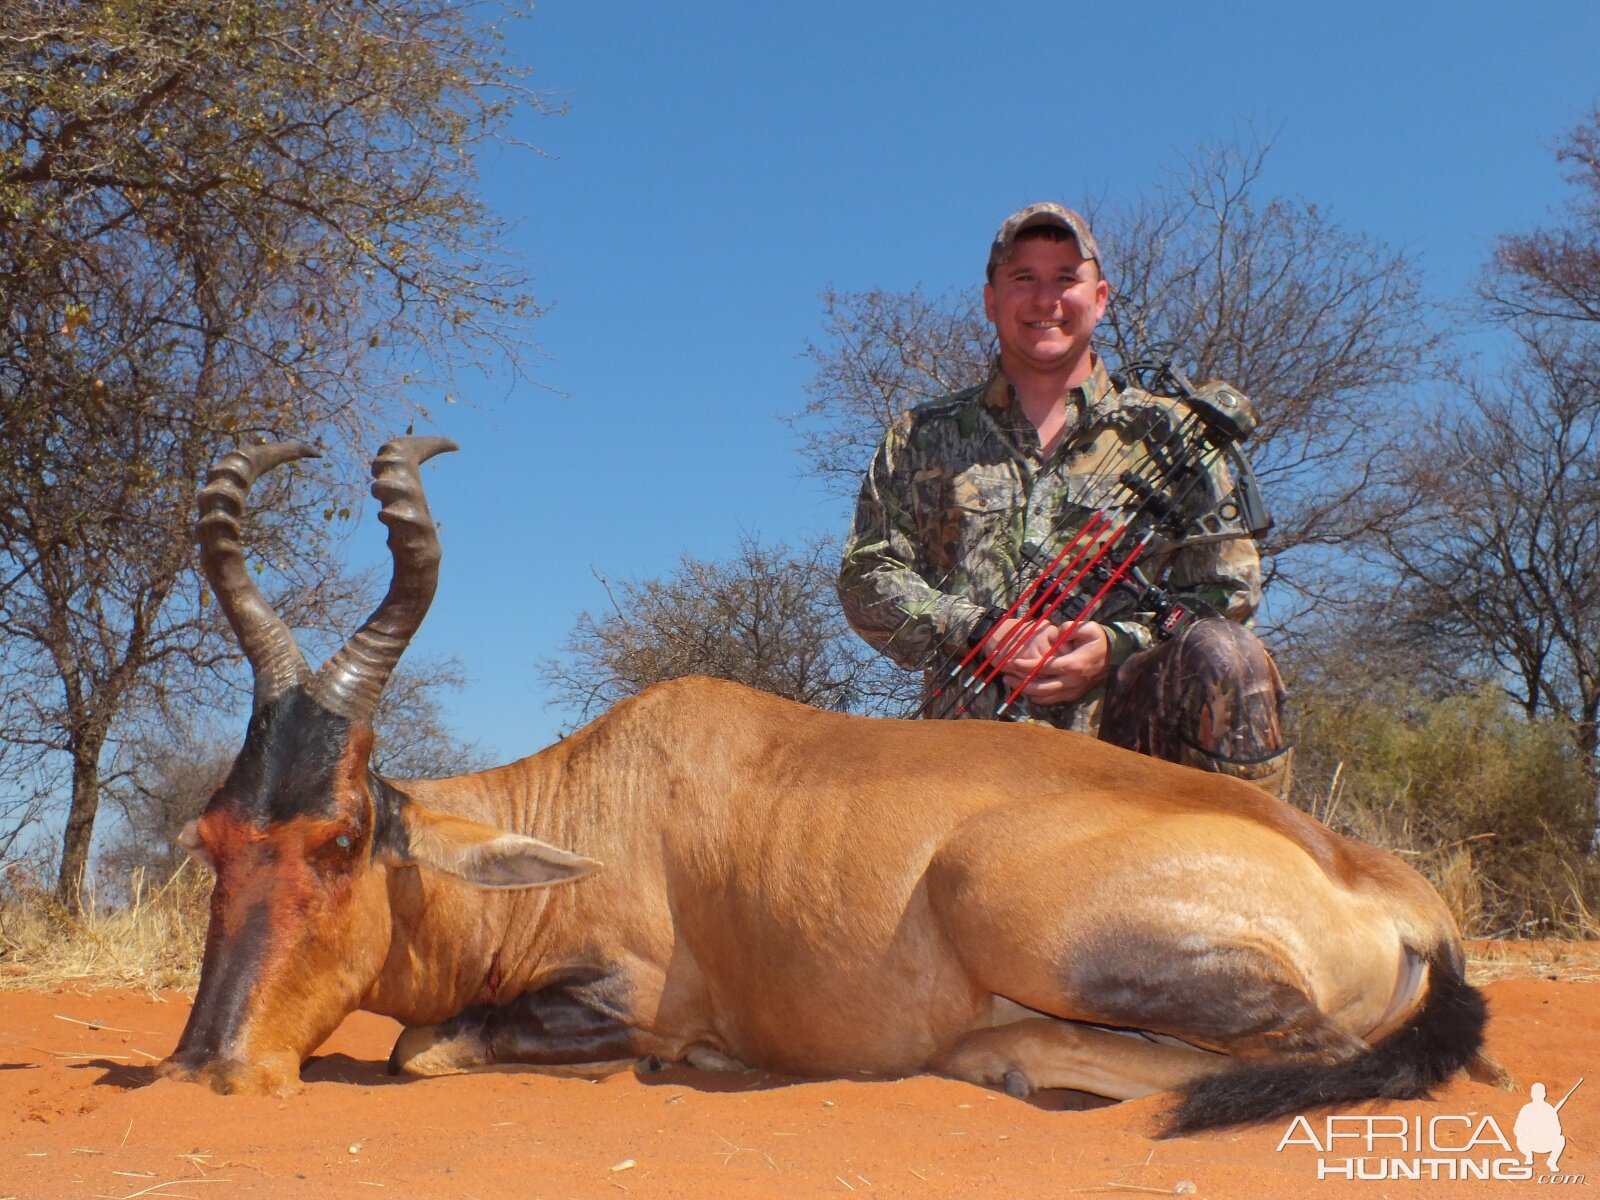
{"x": 1441, "y": 1146}
{"x": 1538, "y": 1127}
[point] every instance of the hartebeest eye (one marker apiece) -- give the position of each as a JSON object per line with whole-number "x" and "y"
{"x": 336, "y": 850}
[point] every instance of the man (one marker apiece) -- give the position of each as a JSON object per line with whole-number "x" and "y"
{"x": 963, "y": 489}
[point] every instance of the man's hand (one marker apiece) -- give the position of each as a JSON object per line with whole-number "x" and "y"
{"x": 1080, "y": 663}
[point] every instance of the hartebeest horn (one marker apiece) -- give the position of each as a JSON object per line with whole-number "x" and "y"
{"x": 264, "y": 638}
{"x": 352, "y": 681}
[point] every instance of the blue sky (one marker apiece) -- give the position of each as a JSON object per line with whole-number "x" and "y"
{"x": 721, "y": 164}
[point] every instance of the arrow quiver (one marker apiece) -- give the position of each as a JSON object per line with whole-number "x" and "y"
{"x": 1097, "y": 571}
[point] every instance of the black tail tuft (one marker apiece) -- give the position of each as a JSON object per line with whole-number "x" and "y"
{"x": 1440, "y": 1039}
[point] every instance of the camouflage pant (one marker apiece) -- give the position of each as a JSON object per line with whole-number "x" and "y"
{"x": 1210, "y": 698}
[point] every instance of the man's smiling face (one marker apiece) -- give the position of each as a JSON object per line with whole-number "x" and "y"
{"x": 1044, "y": 302}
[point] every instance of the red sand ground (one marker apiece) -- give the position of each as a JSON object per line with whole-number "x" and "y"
{"x": 81, "y": 1115}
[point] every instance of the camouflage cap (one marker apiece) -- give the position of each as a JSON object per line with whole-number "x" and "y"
{"x": 1033, "y": 217}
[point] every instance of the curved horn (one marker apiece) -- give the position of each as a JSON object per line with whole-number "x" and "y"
{"x": 264, "y": 638}
{"x": 351, "y": 682}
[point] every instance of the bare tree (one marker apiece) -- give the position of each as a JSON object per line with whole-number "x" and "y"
{"x": 163, "y": 776}
{"x": 1553, "y": 273}
{"x": 169, "y": 780}
{"x": 767, "y": 617}
{"x": 412, "y": 738}
{"x": 215, "y": 219}
{"x": 883, "y": 353}
{"x": 23, "y": 802}
{"x": 28, "y": 777}
{"x": 1322, "y": 326}
{"x": 1499, "y": 549}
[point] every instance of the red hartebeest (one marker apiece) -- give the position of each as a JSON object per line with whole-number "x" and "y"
{"x": 770, "y": 885}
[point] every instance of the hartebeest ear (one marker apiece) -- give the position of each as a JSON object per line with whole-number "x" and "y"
{"x": 486, "y": 856}
{"x": 189, "y": 839}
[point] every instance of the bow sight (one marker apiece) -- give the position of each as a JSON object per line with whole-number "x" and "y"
{"x": 1229, "y": 419}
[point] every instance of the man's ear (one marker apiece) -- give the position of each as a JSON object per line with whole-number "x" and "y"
{"x": 988, "y": 302}
{"x": 483, "y": 855}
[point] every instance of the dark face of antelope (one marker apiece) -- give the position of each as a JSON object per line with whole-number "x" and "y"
{"x": 300, "y": 832}
{"x": 299, "y": 916}
{"x": 302, "y": 835}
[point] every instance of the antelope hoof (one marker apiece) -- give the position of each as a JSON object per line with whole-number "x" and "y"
{"x": 703, "y": 1058}
{"x": 424, "y": 1051}
{"x": 1017, "y": 1084}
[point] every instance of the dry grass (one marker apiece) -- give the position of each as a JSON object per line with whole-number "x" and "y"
{"x": 1460, "y": 888}
{"x": 1549, "y": 898}
{"x": 1568, "y": 962}
{"x": 155, "y": 941}
{"x": 1560, "y": 894}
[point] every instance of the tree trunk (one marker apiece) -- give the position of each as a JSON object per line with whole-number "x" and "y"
{"x": 80, "y": 827}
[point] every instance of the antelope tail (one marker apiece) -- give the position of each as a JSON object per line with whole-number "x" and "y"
{"x": 1443, "y": 1036}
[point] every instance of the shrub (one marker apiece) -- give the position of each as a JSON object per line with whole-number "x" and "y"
{"x": 1497, "y": 810}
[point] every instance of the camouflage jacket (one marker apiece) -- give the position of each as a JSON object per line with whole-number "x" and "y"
{"x": 957, "y": 488}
